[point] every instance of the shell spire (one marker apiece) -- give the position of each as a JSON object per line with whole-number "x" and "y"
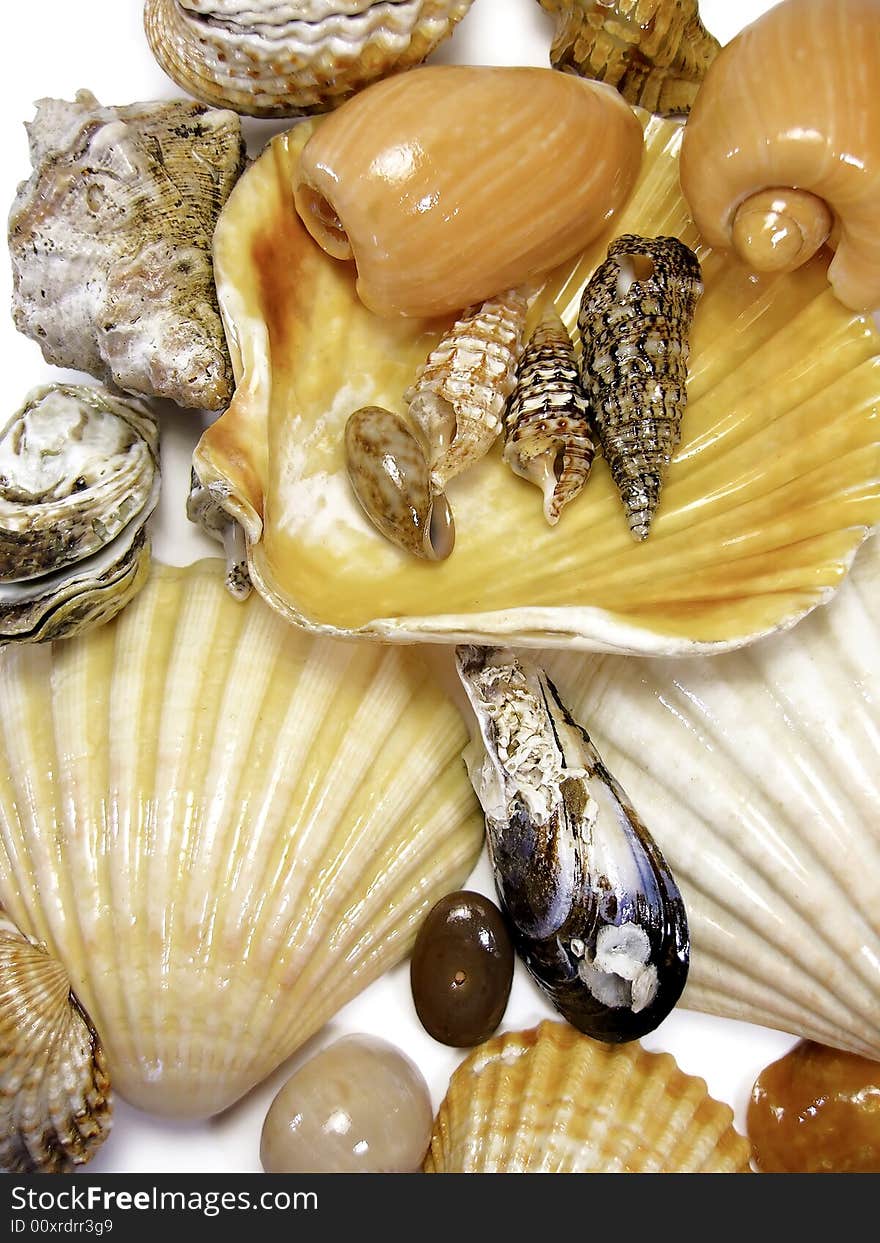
{"x": 458, "y": 398}
{"x": 548, "y": 432}
{"x": 634, "y": 320}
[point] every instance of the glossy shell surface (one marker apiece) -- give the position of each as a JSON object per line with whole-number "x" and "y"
{"x": 247, "y": 826}
{"x": 553, "y": 1101}
{"x": 766, "y": 500}
{"x": 271, "y": 58}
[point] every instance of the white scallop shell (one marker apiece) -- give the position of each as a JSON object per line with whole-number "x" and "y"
{"x": 758, "y": 773}
{"x": 224, "y": 828}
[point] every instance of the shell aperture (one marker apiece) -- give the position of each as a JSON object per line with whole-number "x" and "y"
{"x": 596, "y": 914}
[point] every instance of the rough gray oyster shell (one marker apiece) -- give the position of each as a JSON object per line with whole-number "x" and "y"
{"x": 79, "y": 477}
{"x": 110, "y": 241}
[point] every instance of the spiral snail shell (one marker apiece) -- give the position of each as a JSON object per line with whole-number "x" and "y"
{"x": 782, "y": 149}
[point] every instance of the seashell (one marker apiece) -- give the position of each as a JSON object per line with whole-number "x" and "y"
{"x": 758, "y": 771}
{"x": 224, "y": 828}
{"x": 777, "y": 158}
{"x": 548, "y": 437}
{"x": 271, "y": 58}
{"x": 451, "y": 183}
{"x": 204, "y": 509}
{"x": 656, "y": 52}
{"x": 111, "y": 244}
{"x": 457, "y": 400}
{"x": 595, "y": 912}
{"x": 391, "y": 480}
{"x": 79, "y": 477}
{"x": 634, "y": 321}
{"x": 552, "y": 1101}
{"x": 55, "y": 1103}
{"x": 765, "y": 505}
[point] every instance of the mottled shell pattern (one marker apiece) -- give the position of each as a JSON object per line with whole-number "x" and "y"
{"x": 782, "y": 150}
{"x": 79, "y": 478}
{"x": 552, "y": 1101}
{"x": 275, "y": 58}
{"x": 55, "y": 1105}
{"x": 110, "y": 241}
{"x": 547, "y": 438}
{"x": 593, "y": 908}
{"x": 458, "y": 398}
{"x": 390, "y": 478}
{"x": 634, "y": 320}
{"x": 452, "y": 183}
{"x": 656, "y": 52}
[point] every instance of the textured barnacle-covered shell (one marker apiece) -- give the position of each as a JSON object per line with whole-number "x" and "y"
{"x": 553, "y": 1101}
{"x": 272, "y": 58}
{"x": 110, "y": 241}
{"x": 457, "y": 400}
{"x": 656, "y": 52}
{"x": 594, "y": 910}
{"x": 391, "y": 480}
{"x": 548, "y": 438}
{"x": 634, "y": 320}
{"x": 778, "y": 154}
{"x": 450, "y": 183}
{"x": 55, "y": 1105}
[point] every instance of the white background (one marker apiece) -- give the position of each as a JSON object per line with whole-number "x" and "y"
{"x": 54, "y": 48}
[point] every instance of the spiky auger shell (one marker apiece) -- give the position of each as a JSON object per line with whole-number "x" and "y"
{"x": 634, "y": 321}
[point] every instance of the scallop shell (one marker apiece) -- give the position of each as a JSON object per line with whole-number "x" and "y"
{"x": 223, "y": 828}
{"x": 454, "y": 182}
{"x": 656, "y": 52}
{"x": 273, "y": 58}
{"x": 767, "y": 497}
{"x": 55, "y": 1107}
{"x": 553, "y": 1101}
{"x": 778, "y": 155}
{"x": 758, "y": 774}
{"x": 458, "y": 398}
{"x": 110, "y": 241}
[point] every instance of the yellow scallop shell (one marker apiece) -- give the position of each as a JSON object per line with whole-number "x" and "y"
{"x": 774, "y": 485}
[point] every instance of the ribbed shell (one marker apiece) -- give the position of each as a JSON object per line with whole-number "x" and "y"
{"x": 553, "y": 1101}
{"x": 766, "y": 502}
{"x": 634, "y": 330}
{"x": 791, "y": 103}
{"x": 55, "y": 1107}
{"x": 224, "y": 828}
{"x": 458, "y": 398}
{"x": 547, "y": 437}
{"x": 759, "y": 771}
{"x": 656, "y": 52}
{"x": 273, "y": 58}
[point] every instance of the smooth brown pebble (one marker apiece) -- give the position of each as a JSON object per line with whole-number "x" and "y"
{"x": 815, "y": 1111}
{"x": 359, "y": 1107}
{"x": 461, "y": 970}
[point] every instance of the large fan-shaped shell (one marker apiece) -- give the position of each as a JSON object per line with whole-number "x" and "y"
{"x": 553, "y": 1101}
{"x": 790, "y": 108}
{"x": 758, "y": 772}
{"x": 223, "y": 827}
{"x": 766, "y": 499}
{"x": 54, "y": 1092}
{"x": 272, "y": 58}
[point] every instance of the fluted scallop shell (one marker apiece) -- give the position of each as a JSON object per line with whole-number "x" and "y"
{"x": 758, "y": 772}
{"x": 273, "y": 58}
{"x": 553, "y": 1101}
{"x": 790, "y": 108}
{"x": 547, "y": 426}
{"x": 224, "y": 828}
{"x": 656, "y": 52}
{"x": 458, "y": 398}
{"x": 55, "y": 1106}
{"x": 110, "y": 242}
{"x": 767, "y": 498}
